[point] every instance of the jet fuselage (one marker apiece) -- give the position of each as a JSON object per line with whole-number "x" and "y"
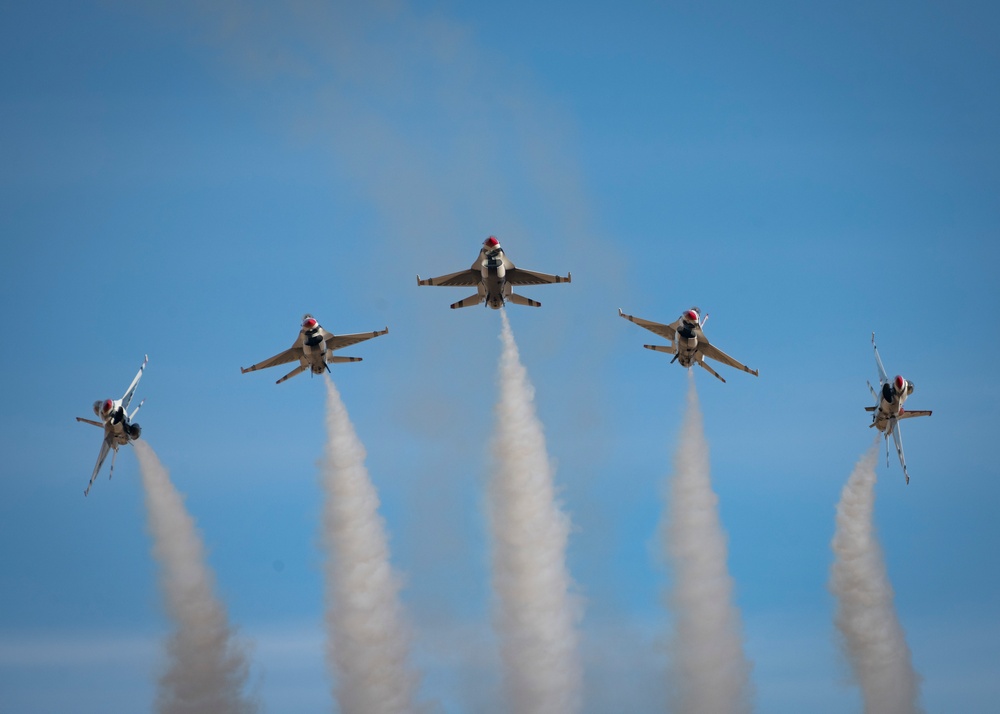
{"x": 686, "y": 342}
{"x": 494, "y": 288}
{"x": 890, "y": 403}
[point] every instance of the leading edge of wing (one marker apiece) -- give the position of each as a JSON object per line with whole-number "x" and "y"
{"x": 712, "y": 352}
{"x": 127, "y": 398}
{"x": 519, "y": 276}
{"x": 463, "y": 278}
{"x": 336, "y": 342}
{"x": 285, "y": 357}
{"x": 105, "y": 448}
{"x": 667, "y": 331}
{"x": 883, "y": 377}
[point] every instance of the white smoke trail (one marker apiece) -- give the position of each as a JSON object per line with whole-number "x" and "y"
{"x": 536, "y": 614}
{"x": 872, "y": 636}
{"x": 368, "y": 646}
{"x": 711, "y": 672}
{"x": 207, "y": 666}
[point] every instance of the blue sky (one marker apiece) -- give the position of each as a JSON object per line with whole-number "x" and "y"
{"x": 186, "y": 181}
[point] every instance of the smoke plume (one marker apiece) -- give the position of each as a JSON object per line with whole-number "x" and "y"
{"x": 711, "y": 672}
{"x": 535, "y": 613}
{"x": 368, "y": 645}
{"x": 872, "y": 636}
{"x": 207, "y": 666}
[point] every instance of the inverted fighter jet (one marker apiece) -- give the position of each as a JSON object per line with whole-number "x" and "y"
{"x": 688, "y": 343}
{"x": 314, "y": 349}
{"x": 117, "y": 424}
{"x": 494, "y": 277}
{"x": 888, "y": 409}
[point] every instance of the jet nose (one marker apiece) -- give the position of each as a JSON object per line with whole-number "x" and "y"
{"x": 491, "y": 242}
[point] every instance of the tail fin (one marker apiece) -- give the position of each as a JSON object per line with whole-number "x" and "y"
{"x": 467, "y": 302}
{"x": 298, "y": 370}
{"x": 521, "y": 300}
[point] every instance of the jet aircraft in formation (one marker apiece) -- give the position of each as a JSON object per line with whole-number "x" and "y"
{"x": 314, "y": 349}
{"x": 119, "y": 429}
{"x": 494, "y": 277}
{"x": 888, "y": 409}
{"x": 688, "y": 343}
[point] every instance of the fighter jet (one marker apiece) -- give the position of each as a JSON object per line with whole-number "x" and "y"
{"x": 688, "y": 343}
{"x": 314, "y": 349}
{"x": 888, "y": 409}
{"x": 117, "y": 424}
{"x": 494, "y": 277}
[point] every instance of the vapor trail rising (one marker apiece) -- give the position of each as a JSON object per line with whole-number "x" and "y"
{"x": 535, "y": 613}
{"x": 368, "y": 645}
{"x": 873, "y": 639}
{"x": 207, "y": 666}
{"x": 710, "y": 670}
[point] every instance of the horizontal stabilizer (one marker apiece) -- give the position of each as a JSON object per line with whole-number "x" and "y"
{"x": 870, "y": 409}
{"x": 340, "y": 360}
{"x": 298, "y": 370}
{"x": 669, "y": 349}
{"x": 467, "y": 302}
{"x": 521, "y": 300}
{"x": 90, "y": 421}
{"x": 907, "y": 414}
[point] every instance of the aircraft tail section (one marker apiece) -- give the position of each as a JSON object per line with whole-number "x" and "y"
{"x": 467, "y": 302}
{"x": 521, "y": 300}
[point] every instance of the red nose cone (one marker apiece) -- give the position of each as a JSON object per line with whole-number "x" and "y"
{"x": 106, "y": 407}
{"x": 492, "y": 242}
{"x": 310, "y": 323}
{"x": 899, "y": 382}
{"x": 692, "y": 316}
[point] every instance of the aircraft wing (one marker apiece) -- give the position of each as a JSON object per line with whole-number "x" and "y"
{"x": 289, "y": 355}
{"x": 711, "y": 351}
{"x": 517, "y": 276}
{"x": 667, "y": 331}
{"x": 898, "y": 439}
{"x": 336, "y": 342}
{"x": 463, "y": 278}
{"x": 882, "y": 376}
{"x": 135, "y": 382}
{"x": 906, "y": 414}
{"x": 105, "y": 447}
